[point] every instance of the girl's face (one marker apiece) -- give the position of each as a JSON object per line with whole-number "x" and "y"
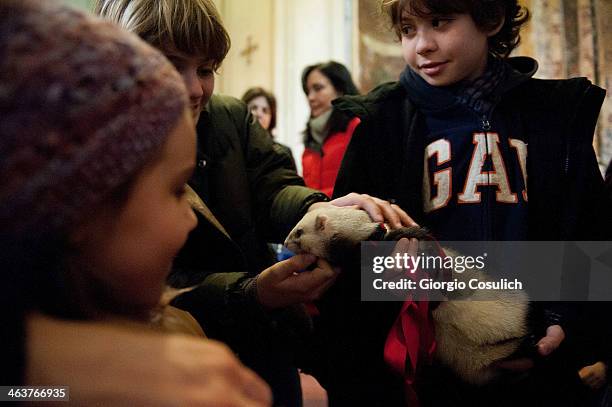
{"x": 320, "y": 93}
{"x": 127, "y": 253}
{"x": 260, "y": 108}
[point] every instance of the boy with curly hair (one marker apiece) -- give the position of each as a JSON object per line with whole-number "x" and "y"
{"x": 474, "y": 148}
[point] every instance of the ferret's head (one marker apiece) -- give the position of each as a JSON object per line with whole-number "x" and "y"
{"x": 327, "y": 230}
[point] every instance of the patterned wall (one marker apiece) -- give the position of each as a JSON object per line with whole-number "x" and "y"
{"x": 380, "y": 56}
{"x": 574, "y": 38}
{"x": 568, "y": 38}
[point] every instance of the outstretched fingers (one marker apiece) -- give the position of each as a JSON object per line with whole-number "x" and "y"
{"x": 379, "y": 210}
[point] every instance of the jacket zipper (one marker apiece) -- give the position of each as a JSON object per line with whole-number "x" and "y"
{"x": 486, "y": 126}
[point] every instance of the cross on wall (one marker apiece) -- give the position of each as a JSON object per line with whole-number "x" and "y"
{"x": 249, "y": 50}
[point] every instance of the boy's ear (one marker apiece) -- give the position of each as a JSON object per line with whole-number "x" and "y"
{"x": 497, "y": 28}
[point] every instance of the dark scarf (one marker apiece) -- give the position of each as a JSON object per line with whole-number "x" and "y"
{"x": 479, "y": 95}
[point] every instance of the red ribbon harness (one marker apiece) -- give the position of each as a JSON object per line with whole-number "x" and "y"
{"x": 411, "y": 339}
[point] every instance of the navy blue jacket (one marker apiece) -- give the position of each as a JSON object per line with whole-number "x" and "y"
{"x": 566, "y": 195}
{"x": 385, "y": 159}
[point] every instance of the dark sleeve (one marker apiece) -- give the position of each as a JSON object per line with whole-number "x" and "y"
{"x": 224, "y": 301}
{"x": 217, "y": 267}
{"x": 605, "y": 337}
{"x": 226, "y": 307}
{"x": 589, "y": 203}
{"x": 587, "y": 207}
{"x": 286, "y": 151}
{"x": 280, "y": 198}
{"x": 354, "y": 174}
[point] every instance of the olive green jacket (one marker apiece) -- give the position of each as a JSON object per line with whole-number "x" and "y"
{"x": 256, "y": 197}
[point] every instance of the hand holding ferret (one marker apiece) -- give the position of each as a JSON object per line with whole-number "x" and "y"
{"x": 403, "y": 246}
{"x": 378, "y": 209}
{"x": 545, "y": 346}
{"x": 286, "y": 283}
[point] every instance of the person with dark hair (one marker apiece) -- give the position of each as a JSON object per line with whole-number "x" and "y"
{"x": 475, "y": 149}
{"x": 262, "y": 105}
{"x": 328, "y": 131}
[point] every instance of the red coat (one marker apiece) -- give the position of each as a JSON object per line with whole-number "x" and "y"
{"x": 321, "y": 168}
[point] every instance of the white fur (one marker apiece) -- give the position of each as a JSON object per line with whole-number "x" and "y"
{"x": 471, "y": 333}
{"x": 479, "y": 328}
{"x": 313, "y": 232}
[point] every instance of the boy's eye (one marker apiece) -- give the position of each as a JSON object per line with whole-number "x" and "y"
{"x": 204, "y": 71}
{"x": 407, "y": 29}
{"x": 440, "y": 22}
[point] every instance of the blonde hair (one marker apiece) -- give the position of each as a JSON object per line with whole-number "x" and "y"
{"x": 192, "y": 27}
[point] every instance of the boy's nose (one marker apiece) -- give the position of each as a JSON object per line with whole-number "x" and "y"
{"x": 193, "y": 84}
{"x": 425, "y": 43}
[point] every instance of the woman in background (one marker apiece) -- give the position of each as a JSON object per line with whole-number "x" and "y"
{"x": 328, "y": 131}
{"x": 262, "y": 105}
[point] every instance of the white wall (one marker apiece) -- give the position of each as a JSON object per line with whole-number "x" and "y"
{"x": 244, "y": 19}
{"x": 291, "y": 34}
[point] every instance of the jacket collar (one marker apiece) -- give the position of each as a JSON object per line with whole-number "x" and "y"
{"x": 522, "y": 69}
{"x": 480, "y": 95}
{"x": 364, "y": 106}
{"x": 372, "y": 104}
{"x": 198, "y": 205}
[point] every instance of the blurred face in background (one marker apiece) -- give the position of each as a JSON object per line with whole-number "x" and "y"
{"x": 260, "y": 108}
{"x": 320, "y": 93}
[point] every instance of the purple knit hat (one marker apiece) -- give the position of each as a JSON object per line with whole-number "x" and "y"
{"x": 83, "y": 106}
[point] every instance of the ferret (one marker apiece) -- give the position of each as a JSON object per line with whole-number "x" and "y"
{"x": 333, "y": 232}
{"x": 470, "y": 334}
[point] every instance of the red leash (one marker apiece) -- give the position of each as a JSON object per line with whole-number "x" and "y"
{"x": 411, "y": 340}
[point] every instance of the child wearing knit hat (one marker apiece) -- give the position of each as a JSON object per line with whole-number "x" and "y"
{"x": 96, "y": 146}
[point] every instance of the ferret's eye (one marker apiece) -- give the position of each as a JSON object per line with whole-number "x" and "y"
{"x": 299, "y": 233}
